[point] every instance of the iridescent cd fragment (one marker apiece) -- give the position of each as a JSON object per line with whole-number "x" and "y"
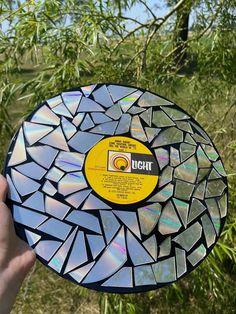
{"x": 116, "y": 188}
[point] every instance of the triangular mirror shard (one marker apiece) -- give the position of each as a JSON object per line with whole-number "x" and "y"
{"x": 56, "y": 208}
{"x": 23, "y": 184}
{"x": 45, "y": 116}
{"x": 32, "y": 237}
{"x": 49, "y": 188}
{"x": 163, "y": 195}
{"x": 169, "y": 221}
{"x": 124, "y": 124}
{"x": 200, "y": 131}
{"x": 68, "y": 128}
{"x": 199, "y": 139}
{"x": 78, "y": 254}
{"x": 93, "y": 202}
{"x": 219, "y": 167}
{"x": 185, "y": 126}
{"x": 210, "y": 152}
{"x": 55, "y": 101}
{"x": 151, "y": 246}
{"x": 89, "y": 105}
{"x": 47, "y": 248}
{"x": 130, "y": 220}
{"x": 76, "y": 199}
{"x": 202, "y": 173}
{"x": 213, "y": 175}
{"x": 175, "y": 114}
{"x": 135, "y": 110}
{"x": 55, "y": 228}
{"x": 117, "y": 92}
{"x": 169, "y": 136}
{"x": 123, "y": 279}
{"x": 96, "y": 244}
{"x": 151, "y": 133}
{"x": 126, "y": 102}
{"x": 166, "y": 176}
{"x": 56, "y": 139}
{"x": 186, "y": 150}
{"x": 58, "y": 259}
{"x": 99, "y": 117}
{"x": 162, "y": 156}
{"x": 115, "y": 252}
{"x": 32, "y": 170}
{"x": 137, "y": 130}
{"x": 84, "y": 220}
{"x": 43, "y": 155}
{"x": 189, "y": 139}
{"x": 62, "y": 111}
{"x": 114, "y": 112}
{"x": 71, "y": 100}
{"x": 28, "y": 217}
{"x": 110, "y": 224}
{"x": 148, "y": 217}
{"x": 87, "y": 123}
{"x": 222, "y": 202}
{"x": 79, "y": 273}
{"x": 72, "y": 182}
{"x": 160, "y": 119}
{"x": 78, "y": 118}
{"x": 187, "y": 171}
{"x": 84, "y": 141}
{"x": 165, "y": 271}
{"x": 18, "y": 154}
{"x": 214, "y": 213}
{"x": 143, "y": 275}
{"x": 150, "y": 100}
{"x": 136, "y": 251}
{"x": 102, "y": 96}
{"x": 107, "y": 128}
{"x": 87, "y": 90}
{"x": 12, "y": 192}
{"x": 208, "y": 230}
{"x": 147, "y": 116}
{"x": 182, "y": 209}
{"x": 35, "y": 201}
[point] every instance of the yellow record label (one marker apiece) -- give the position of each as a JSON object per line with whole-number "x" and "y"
{"x": 121, "y": 170}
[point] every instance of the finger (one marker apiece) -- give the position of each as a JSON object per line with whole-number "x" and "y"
{"x": 3, "y": 188}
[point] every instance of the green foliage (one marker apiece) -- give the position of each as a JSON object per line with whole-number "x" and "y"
{"x": 53, "y": 45}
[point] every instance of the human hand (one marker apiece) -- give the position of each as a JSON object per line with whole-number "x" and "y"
{"x": 16, "y": 257}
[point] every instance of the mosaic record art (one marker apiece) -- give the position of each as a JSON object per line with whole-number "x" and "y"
{"x": 116, "y": 188}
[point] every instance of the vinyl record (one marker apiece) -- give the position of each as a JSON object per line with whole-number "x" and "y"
{"x": 116, "y": 188}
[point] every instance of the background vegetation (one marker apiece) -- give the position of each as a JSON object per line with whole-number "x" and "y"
{"x": 187, "y": 54}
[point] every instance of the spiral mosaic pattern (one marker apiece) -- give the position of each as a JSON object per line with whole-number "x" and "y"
{"x": 92, "y": 241}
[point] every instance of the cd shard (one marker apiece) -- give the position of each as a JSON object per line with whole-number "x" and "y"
{"x": 18, "y": 155}
{"x": 78, "y": 254}
{"x": 123, "y": 278}
{"x": 112, "y": 259}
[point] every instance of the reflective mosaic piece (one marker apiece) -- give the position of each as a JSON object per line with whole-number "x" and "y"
{"x": 98, "y": 242}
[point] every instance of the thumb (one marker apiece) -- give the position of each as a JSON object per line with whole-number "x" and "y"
{"x": 3, "y": 188}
